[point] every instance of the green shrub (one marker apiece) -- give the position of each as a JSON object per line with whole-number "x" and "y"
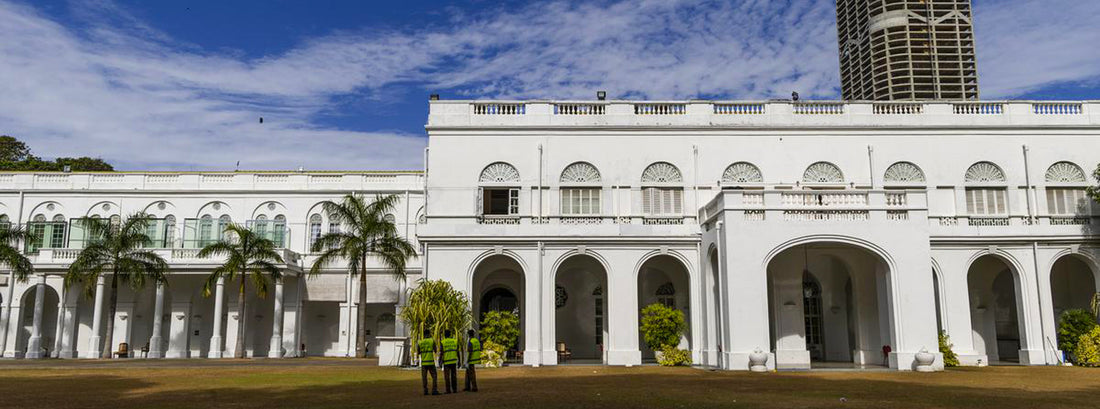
{"x": 672, "y": 356}
{"x": 1071, "y": 325}
{"x": 662, "y": 326}
{"x": 1088, "y": 348}
{"x": 949, "y": 357}
{"x": 500, "y": 327}
{"x": 492, "y": 354}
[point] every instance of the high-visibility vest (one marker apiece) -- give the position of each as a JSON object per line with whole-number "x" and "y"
{"x": 426, "y": 347}
{"x": 475, "y": 352}
{"x": 450, "y": 351}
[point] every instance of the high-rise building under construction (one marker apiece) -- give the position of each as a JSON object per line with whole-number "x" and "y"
{"x": 906, "y": 50}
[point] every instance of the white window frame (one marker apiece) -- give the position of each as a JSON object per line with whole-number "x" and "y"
{"x": 663, "y": 201}
{"x": 580, "y": 201}
{"x": 987, "y": 201}
{"x": 1067, "y": 201}
{"x": 513, "y": 201}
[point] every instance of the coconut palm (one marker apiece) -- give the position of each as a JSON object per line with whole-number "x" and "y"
{"x": 436, "y": 306}
{"x": 364, "y": 233}
{"x": 10, "y": 256}
{"x": 249, "y": 257}
{"x": 121, "y": 251}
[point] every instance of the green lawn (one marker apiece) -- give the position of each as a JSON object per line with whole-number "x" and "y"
{"x": 325, "y": 383}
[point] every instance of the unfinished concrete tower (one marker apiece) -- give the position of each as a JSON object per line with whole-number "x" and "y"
{"x": 906, "y": 50}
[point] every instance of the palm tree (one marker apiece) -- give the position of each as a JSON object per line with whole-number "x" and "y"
{"x": 10, "y": 256}
{"x": 365, "y": 232}
{"x": 249, "y": 257}
{"x": 121, "y": 251}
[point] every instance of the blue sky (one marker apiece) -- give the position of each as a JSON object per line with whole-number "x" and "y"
{"x": 343, "y": 84}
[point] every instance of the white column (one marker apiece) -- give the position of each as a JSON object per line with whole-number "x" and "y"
{"x": 34, "y": 345}
{"x": 95, "y": 347}
{"x": 216, "y": 347}
{"x": 6, "y": 316}
{"x": 156, "y": 341}
{"x": 276, "y": 349}
{"x": 68, "y": 326}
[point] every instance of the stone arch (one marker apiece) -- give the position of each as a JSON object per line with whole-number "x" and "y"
{"x": 862, "y": 317}
{"x": 580, "y": 172}
{"x": 903, "y": 173}
{"x": 661, "y": 173}
{"x": 739, "y": 173}
{"x": 48, "y": 323}
{"x": 823, "y": 173}
{"x": 581, "y": 324}
{"x": 160, "y": 208}
{"x": 983, "y": 329}
{"x": 214, "y": 208}
{"x": 1065, "y": 172}
{"x": 941, "y": 303}
{"x": 103, "y": 208}
{"x": 658, "y": 273}
{"x": 1074, "y": 278}
{"x": 269, "y": 208}
{"x": 48, "y": 209}
{"x": 985, "y": 172}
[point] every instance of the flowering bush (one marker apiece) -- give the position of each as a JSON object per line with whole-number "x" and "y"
{"x": 1088, "y": 348}
{"x": 492, "y": 354}
{"x": 662, "y": 326}
{"x": 672, "y": 356}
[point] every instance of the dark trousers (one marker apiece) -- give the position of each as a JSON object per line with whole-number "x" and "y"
{"x": 424, "y": 371}
{"x": 450, "y": 377}
{"x": 471, "y": 378}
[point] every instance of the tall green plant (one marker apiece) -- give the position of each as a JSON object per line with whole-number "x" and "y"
{"x": 248, "y": 257}
{"x": 1071, "y": 325}
{"x": 435, "y": 305}
{"x": 662, "y": 326}
{"x": 950, "y": 359}
{"x": 501, "y": 328}
{"x": 119, "y": 250}
{"x": 364, "y": 233}
{"x": 10, "y": 256}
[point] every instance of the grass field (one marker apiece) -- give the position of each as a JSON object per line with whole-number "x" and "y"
{"x": 323, "y": 383}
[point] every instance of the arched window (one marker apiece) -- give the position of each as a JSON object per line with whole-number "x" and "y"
{"x": 314, "y": 229}
{"x": 660, "y": 194}
{"x": 223, "y": 222}
{"x": 903, "y": 173}
{"x": 5, "y": 223}
{"x": 822, "y": 172}
{"x": 47, "y": 234}
{"x": 580, "y": 191}
{"x": 985, "y": 193}
{"x": 1066, "y": 190}
{"x": 741, "y": 173}
{"x": 169, "y": 231}
{"x": 666, "y": 294}
{"x": 206, "y": 231}
{"x": 499, "y": 195}
{"x": 499, "y": 172}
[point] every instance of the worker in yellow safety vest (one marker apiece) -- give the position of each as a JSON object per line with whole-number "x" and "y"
{"x": 450, "y": 362}
{"x": 426, "y": 347}
{"x": 473, "y": 358}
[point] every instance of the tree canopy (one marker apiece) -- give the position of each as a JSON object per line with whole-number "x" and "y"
{"x": 16, "y": 155}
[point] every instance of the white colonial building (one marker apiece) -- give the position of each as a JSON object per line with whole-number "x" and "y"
{"x": 816, "y": 232}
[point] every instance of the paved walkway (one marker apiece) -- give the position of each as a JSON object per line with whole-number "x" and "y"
{"x": 181, "y": 363}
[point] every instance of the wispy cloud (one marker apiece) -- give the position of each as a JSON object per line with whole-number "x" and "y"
{"x": 118, "y": 88}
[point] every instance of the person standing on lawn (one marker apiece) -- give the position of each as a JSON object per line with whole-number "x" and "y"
{"x": 426, "y": 347}
{"x": 450, "y": 362}
{"x": 473, "y": 358}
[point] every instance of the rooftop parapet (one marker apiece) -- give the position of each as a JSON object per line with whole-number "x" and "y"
{"x": 763, "y": 114}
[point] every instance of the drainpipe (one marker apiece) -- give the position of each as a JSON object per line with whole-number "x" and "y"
{"x": 541, "y": 335}
{"x": 1035, "y": 260}
{"x": 720, "y": 317}
{"x": 871, "y": 164}
{"x": 540, "y": 185}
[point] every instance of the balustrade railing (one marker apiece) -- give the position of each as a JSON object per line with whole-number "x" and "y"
{"x": 500, "y": 109}
{"x": 820, "y": 199}
{"x": 660, "y": 109}
{"x": 897, "y": 108}
{"x": 581, "y": 220}
{"x": 978, "y": 108}
{"x": 826, "y": 215}
{"x": 658, "y": 221}
{"x": 580, "y": 109}
{"x": 988, "y": 221}
{"x": 896, "y": 199}
{"x": 1057, "y": 108}
{"x": 740, "y": 109}
{"x": 818, "y": 108}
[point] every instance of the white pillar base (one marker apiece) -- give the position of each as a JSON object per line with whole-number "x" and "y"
{"x": 549, "y": 357}
{"x": 34, "y": 348}
{"x": 216, "y": 350}
{"x": 790, "y": 359}
{"x": 973, "y": 359}
{"x": 1033, "y": 357}
{"x": 155, "y": 347}
{"x": 624, "y": 357}
{"x": 276, "y": 349}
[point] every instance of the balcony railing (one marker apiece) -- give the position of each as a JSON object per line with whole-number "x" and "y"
{"x": 818, "y": 205}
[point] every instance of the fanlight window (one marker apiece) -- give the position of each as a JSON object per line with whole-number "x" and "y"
{"x": 498, "y": 172}
{"x": 903, "y": 172}
{"x": 661, "y": 172}
{"x": 580, "y": 172}
{"x": 1065, "y": 172}
{"x": 984, "y": 172}
{"x": 742, "y": 172}
{"x": 823, "y": 172}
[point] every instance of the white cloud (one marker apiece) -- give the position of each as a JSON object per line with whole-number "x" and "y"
{"x": 1025, "y": 45}
{"x": 117, "y": 88}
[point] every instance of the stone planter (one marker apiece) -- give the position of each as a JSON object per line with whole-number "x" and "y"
{"x": 924, "y": 361}
{"x": 758, "y": 361}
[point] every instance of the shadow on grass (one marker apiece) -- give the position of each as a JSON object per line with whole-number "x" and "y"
{"x": 266, "y": 387}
